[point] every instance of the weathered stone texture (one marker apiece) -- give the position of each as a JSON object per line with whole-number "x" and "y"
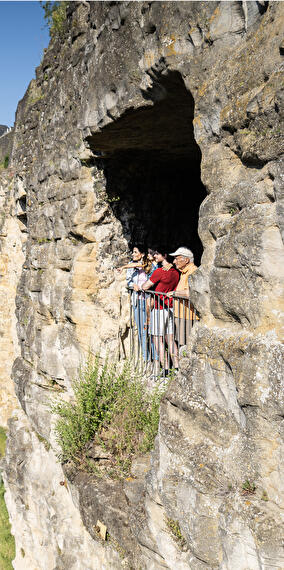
{"x": 49, "y": 530}
{"x": 6, "y": 143}
{"x": 221, "y": 426}
{"x": 11, "y": 260}
{"x": 131, "y": 90}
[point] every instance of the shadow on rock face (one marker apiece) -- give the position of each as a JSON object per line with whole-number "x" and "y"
{"x": 151, "y": 163}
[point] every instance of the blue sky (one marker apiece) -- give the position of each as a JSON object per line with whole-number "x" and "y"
{"x": 23, "y": 36}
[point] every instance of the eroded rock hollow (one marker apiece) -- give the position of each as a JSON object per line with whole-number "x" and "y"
{"x": 158, "y": 121}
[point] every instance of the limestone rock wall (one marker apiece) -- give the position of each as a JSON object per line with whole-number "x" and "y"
{"x": 45, "y": 518}
{"x": 11, "y": 261}
{"x": 6, "y": 143}
{"x": 222, "y": 417}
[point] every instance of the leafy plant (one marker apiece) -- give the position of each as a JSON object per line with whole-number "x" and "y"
{"x": 55, "y": 16}
{"x": 113, "y": 199}
{"x": 112, "y": 409}
{"x": 233, "y": 211}
{"x": 248, "y": 488}
{"x": 2, "y": 441}
{"x": 7, "y": 543}
{"x": 6, "y": 161}
{"x": 174, "y": 528}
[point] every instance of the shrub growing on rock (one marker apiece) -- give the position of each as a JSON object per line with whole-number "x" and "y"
{"x": 7, "y": 542}
{"x": 111, "y": 410}
{"x": 55, "y": 15}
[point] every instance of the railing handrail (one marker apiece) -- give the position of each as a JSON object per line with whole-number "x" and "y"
{"x": 160, "y": 324}
{"x": 174, "y": 294}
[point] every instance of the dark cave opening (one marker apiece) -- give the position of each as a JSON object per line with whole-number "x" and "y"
{"x": 151, "y": 163}
{"x": 22, "y": 212}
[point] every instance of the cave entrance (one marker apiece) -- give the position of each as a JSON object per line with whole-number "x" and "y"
{"x": 152, "y": 168}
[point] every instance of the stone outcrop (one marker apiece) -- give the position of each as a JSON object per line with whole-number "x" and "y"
{"x": 11, "y": 261}
{"x": 6, "y": 144}
{"x": 3, "y": 130}
{"x": 130, "y": 101}
{"x": 41, "y": 507}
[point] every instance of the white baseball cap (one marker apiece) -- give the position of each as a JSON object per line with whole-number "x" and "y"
{"x": 183, "y": 251}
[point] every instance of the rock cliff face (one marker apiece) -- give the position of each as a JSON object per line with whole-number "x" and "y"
{"x": 3, "y": 129}
{"x": 146, "y": 119}
{"x": 11, "y": 260}
{"x": 6, "y": 143}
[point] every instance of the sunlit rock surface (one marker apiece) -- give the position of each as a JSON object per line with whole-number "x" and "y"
{"x": 11, "y": 260}
{"x": 44, "y": 513}
{"x": 107, "y": 145}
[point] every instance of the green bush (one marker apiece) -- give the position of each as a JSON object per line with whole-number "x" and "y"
{"x": 55, "y": 15}
{"x": 111, "y": 408}
{"x": 6, "y": 161}
{"x": 7, "y": 543}
{"x": 2, "y": 441}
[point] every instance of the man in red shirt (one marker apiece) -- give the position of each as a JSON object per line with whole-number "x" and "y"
{"x": 164, "y": 279}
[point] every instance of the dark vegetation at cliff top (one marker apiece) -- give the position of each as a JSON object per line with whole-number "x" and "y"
{"x": 112, "y": 419}
{"x": 55, "y": 16}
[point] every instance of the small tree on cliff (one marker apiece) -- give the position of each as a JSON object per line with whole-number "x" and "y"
{"x": 55, "y": 16}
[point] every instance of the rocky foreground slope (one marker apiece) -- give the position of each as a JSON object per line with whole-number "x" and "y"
{"x": 130, "y": 101}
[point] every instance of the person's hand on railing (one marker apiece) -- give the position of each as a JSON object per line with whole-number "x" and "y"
{"x": 182, "y": 294}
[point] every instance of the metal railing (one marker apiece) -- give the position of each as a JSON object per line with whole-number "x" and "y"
{"x": 160, "y": 324}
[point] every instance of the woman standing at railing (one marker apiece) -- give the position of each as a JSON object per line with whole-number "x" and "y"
{"x": 137, "y": 274}
{"x": 164, "y": 279}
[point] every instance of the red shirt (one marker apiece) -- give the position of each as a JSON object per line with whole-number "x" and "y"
{"x": 165, "y": 282}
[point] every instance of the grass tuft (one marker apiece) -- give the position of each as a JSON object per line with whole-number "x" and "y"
{"x": 174, "y": 529}
{"x": 248, "y": 488}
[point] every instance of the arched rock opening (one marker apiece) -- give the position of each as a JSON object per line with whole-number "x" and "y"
{"x": 151, "y": 163}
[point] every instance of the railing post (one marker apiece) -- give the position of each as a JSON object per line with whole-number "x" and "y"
{"x": 149, "y": 343}
{"x": 131, "y": 324}
{"x": 173, "y": 322}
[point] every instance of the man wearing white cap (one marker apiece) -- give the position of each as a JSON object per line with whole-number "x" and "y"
{"x": 184, "y": 262}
